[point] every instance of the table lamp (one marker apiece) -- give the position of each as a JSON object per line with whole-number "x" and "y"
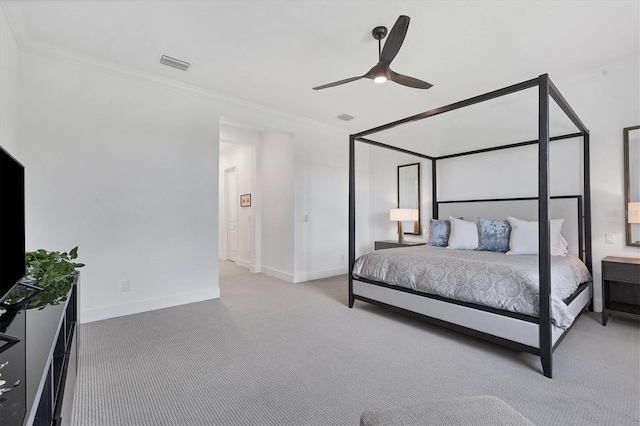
{"x": 400, "y": 215}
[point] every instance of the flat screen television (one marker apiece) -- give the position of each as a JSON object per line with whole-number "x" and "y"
{"x": 12, "y": 245}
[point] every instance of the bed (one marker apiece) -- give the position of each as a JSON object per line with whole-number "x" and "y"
{"x": 546, "y": 305}
{"x": 486, "y": 278}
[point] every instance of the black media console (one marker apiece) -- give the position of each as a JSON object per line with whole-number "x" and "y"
{"x": 49, "y": 363}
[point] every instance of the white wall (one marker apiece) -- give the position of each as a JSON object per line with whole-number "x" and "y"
{"x": 277, "y": 204}
{"x": 364, "y": 235}
{"x": 128, "y": 172}
{"x": 125, "y": 165}
{"x": 605, "y": 100}
{"x": 8, "y": 88}
{"x": 322, "y": 199}
{"x": 384, "y": 180}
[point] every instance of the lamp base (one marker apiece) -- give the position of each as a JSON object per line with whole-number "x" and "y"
{"x": 400, "y": 233}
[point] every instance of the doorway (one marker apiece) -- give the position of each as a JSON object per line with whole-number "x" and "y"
{"x": 231, "y": 190}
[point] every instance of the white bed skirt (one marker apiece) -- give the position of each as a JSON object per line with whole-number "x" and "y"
{"x": 505, "y": 327}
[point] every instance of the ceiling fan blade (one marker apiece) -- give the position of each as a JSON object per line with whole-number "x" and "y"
{"x": 395, "y": 39}
{"x": 337, "y": 83}
{"x": 409, "y": 81}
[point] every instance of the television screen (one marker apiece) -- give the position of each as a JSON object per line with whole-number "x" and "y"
{"x": 12, "y": 249}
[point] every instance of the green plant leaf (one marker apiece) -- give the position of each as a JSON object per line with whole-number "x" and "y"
{"x": 54, "y": 272}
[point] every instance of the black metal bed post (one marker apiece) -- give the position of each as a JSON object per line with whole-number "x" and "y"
{"x": 587, "y": 203}
{"x": 434, "y": 191}
{"x": 352, "y": 214}
{"x": 544, "y": 248}
{"x": 586, "y": 189}
{"x": 564, "y": 105}
{"x": 451, "y": 107}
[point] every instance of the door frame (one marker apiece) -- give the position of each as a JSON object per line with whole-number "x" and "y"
{"x": 233, "y": 170}
{"x": 255, "y": 263}
{"x": 222, "y": 211}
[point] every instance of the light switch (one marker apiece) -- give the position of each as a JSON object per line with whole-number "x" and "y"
{"x": 608, "y": 238}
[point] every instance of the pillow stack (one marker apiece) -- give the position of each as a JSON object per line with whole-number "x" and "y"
{"x": 512, "y": 236}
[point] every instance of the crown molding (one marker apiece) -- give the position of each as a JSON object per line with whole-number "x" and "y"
{"x": 38, "y": 48}
{"x": 14, "y": 22}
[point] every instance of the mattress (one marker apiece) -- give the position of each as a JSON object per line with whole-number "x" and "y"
{"x": 509, "y": 283}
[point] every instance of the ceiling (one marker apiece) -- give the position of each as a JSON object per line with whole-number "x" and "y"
{"x": 272, "y": 53}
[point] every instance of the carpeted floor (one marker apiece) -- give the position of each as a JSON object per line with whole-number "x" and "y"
{"x": 271, "y": 352}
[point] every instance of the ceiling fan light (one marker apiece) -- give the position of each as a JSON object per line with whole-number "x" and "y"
{"x": 380, "y": 79}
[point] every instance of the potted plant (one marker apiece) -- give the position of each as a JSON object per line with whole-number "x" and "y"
{"x": 53, "y": 272}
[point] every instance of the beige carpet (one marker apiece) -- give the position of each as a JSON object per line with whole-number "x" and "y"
{"x": 270, "y": 352}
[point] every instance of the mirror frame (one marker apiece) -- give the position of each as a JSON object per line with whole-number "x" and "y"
{"x": 417, "y": 228}
{"x": 627, "y": 183}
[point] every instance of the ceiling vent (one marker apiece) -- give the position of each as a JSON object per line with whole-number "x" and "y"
{"x": 345, "y": 117}
{"x": 174, "y": 63}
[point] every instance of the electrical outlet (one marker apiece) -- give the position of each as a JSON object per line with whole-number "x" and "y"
{"x": 126, "y": 286}
{"x": 608, "y": 238}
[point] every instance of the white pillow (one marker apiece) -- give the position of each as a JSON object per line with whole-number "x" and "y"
{"x": 562, "y": 248}
{"x": 464, "y": 234}
{"x": 524, "y": 237}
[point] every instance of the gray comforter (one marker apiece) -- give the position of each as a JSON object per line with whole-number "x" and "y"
{"x": 486, "y": 278}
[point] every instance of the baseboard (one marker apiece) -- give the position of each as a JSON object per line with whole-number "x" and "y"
{"x": 316, "y": 275}
{"x": 243, "y": 263}
{"x": 307, "y": 276}
{"x": 285, "y": 276}
{"x": 147, "y": 305}
{"x": 250, "y": 266}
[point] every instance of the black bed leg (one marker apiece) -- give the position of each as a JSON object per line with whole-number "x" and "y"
{"x": 545, "y": 359}
{"x": 351, "y": 298}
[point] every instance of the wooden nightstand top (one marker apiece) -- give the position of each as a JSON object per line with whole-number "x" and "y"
{"x": 630, "y": 260}
{"x": 395, "y": 244}
{"x": 405, "y": 243}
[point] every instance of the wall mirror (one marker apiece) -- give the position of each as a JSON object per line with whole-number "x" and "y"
{"x": 632, "y": 184}
{"x": 409, "y": 195}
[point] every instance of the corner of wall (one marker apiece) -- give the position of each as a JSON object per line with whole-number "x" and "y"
{"x": 91, "y": 315}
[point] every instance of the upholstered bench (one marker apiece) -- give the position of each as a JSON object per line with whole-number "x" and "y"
{"x": 477, "y": 410}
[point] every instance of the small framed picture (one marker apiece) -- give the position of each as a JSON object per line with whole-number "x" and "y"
{"x": 245, "y": 200}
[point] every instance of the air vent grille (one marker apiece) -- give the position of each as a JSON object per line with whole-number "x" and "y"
{"x": 345, "y": 117}
{"x": 174, "y": 63}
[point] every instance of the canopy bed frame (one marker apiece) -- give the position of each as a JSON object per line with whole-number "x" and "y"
{"x": 536, "y": 335}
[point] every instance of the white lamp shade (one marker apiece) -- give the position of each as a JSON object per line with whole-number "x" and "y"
{"x": 633, "y": 213}
{"x": 396, "y": 215}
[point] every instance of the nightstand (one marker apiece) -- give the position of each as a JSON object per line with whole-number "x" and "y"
{"x": 393, "y": 244}
{"x": 620, "y": 286}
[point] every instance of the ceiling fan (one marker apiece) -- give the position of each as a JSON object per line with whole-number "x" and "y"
{"x": 381, "y": 71}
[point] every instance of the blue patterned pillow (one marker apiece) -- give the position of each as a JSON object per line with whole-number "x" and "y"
{"x": 439, "y": 231}
{"x": 494, "y": 235}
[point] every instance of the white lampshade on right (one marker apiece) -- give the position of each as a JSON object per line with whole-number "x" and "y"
{"x": 633, "y": 213}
